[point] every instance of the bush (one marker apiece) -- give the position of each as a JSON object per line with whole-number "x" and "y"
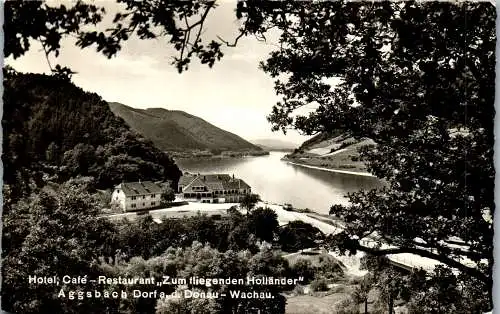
{"x": 298, "y": 235}
{"x": 303, "y": 268}
{"x": 330, "y": 269}
{"x": 298, "y": 290}
{"x": 319, "y": 284}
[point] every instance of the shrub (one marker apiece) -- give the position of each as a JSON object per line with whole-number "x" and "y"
{"x": 319, "y": 284}
{"x": 298, "y": 290}
{"x": 330, "y": 269}
{"x": 304, "y": 268}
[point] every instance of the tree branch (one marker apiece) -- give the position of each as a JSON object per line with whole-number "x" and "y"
{"x": 46, "y": 55}
{"x": 439, "y": 248}
{"x": 242, "y": 33}
{"x": 190, "y": 27}
{"x": 200, "y": 22}
{"x": 425, "y": 253}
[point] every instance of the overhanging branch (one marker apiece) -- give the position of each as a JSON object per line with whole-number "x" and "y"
{"x": 425, "y": 253}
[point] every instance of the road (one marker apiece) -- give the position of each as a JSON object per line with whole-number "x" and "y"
{"x": 179, "y": 211}
{"x": 405, "y": 260}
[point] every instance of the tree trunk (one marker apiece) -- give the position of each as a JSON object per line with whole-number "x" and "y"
{"x": 391, "y": 304}
{"x": 489, "y": 283}
{"x": 366, "y": 306}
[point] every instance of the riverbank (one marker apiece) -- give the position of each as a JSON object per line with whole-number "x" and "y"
{"x": 219, "y": 154}
{"x": 357, "y": 173}
{"x": 277, "y": 181}
{"x": 328, "y": 226}
{"x": 284, "y": 216}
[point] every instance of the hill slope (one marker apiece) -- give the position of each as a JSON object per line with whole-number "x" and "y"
{"x": 55, "y": 131}
{"x": 333, "y": 151}
{"x": 178, "y": 131}
{"x": 274, "y": 144}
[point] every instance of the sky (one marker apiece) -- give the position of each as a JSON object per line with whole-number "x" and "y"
{"x": 234, "y": 95}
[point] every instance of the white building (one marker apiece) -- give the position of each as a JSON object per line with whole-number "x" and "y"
{"x": 133, "y": 196}
{"x": 212, "y": 188}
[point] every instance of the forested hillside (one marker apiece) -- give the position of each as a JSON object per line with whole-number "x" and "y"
{"x": 56, "y": 131}
{"x": 174, "y": 130}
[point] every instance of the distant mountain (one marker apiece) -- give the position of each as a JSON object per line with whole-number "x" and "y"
{"x": 274, "y": 144}
{"x": 178, "y": 131}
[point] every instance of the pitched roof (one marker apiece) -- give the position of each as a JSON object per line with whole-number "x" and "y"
{"x": 186, "y": 179}
{"x": 140, "y": 188}
{"x": 235, "y": 184}
{"x": 213, "y": 181}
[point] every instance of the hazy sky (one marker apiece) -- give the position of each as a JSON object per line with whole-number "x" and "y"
{"x": 234, "y": 95}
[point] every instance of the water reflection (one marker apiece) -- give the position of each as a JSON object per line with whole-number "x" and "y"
{"x": 277, "y": 181}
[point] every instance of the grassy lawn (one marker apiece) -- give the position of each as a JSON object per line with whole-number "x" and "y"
{"x": 334, "y": 162}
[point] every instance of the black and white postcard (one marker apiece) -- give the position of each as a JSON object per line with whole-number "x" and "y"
{"x": 204, "y": 157}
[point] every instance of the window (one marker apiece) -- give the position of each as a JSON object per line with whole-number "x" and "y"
{"x": 132, "y": 206}
{"x": 153, "y": 203}
{"x": 144, "y": 197}
{"x": 133, "y": 198}
{"x": 143, "y": 204}
{"x": 153, "y": 196}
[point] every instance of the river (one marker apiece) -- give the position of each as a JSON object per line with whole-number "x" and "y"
{"x": 277, "y": 181}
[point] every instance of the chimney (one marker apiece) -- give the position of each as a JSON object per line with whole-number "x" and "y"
{"x": 233, "y": 176}
{"x": 204, "y": 178}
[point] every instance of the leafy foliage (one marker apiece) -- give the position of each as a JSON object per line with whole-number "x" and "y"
{"x": 145, "y": 238}
{"x": 303, "y": 268}
{"x": 168, "y": 195}
{"x": 77, "y": 238}
{"x": 50, "y": 24}
{"x": 263, "y": 223}
{"x": 319, "y": 284}
{"x": 202, "y": 261}
{"x": 249, "y": 201}
{"x": 418, "y": 79}
{"x": 82, "y": 243}
{"x": 298, "y": 235}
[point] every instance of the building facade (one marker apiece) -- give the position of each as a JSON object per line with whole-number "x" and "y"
{"x": 133, "y": 196}
{"x": 212, "y": 188}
